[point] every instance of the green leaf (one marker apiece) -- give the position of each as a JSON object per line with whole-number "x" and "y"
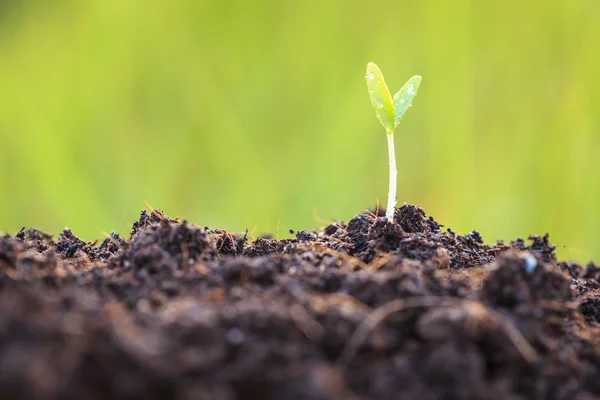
{"x": 403, "y": 99}
{"x": 380, "y": 97}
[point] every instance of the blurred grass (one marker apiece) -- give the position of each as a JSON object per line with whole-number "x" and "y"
{"x": 236, "y": 114}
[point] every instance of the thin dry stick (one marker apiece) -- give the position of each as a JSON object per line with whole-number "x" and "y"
{"x": 252, "y": 237}
{"x": 522, "y": 345}
{"x": 377, "y": 316}
{"x": 378, "y": 263}
{"x": 277, "y": 231}
{"x": 316, "y": 219}
{"x": 353, "y": 261}
{"x": 309, "y": 326}
{"x": 341, "y": 299}
{"x": 185, "y": 255}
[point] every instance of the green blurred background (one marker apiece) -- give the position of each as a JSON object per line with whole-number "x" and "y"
{"x": 236, "y": 114}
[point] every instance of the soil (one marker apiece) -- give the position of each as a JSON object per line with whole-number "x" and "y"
{"x": 364, "y": 310}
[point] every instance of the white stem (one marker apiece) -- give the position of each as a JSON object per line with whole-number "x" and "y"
{"x": 389, "y": 213}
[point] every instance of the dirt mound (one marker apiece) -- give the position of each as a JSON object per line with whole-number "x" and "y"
{"x": 364, "y": 310}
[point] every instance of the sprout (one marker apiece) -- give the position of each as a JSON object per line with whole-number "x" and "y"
{"x": 390, "y": 111}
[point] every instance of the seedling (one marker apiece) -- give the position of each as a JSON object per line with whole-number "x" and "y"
{"x": 390, "y": 111}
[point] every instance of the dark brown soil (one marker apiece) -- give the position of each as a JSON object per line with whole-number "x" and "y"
{"x": 364, "y": 310}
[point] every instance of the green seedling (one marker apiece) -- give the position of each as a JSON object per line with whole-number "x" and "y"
{"x": 390, "y": 111}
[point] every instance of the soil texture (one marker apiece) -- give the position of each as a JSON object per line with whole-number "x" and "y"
{"x": 370, "y": 309}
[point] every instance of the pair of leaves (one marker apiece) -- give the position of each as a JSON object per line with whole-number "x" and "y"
{"x": 390, "y": 110}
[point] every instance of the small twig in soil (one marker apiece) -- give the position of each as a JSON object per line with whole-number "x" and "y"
{"x": 341, "y": 299}
{"x": 312, "y": 329}
{"x": 476, "y": 311}
{"x": 277, "y": 231}
{"x": 252, "y": 237}
{"x": 378, "y": 263}
{"x": 316, "y": 219}
{"x": 185, "y": 255}
{"x": 353, "y": 261}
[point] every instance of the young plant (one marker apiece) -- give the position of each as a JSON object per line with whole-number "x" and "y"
{"x": 390, "y": 111}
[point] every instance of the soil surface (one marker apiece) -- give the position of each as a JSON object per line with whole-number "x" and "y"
{"x": 364, "y": 310}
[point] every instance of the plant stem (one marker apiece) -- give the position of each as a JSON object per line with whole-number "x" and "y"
{"x": 389, "y": 213}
